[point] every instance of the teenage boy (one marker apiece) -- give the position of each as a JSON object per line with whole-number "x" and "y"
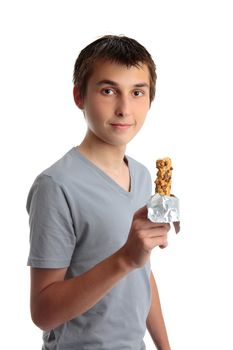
{"x": 90, "y": 240}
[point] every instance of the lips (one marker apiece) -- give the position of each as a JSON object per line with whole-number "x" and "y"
{"x": 121, "y": 125}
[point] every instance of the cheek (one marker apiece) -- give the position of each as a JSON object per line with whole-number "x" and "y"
{"x": 94, "y": 117}
{"x": 143, "y": 104}
{"x": 98, "y": 105}
{"x": 142, "y": 111}
{"x": 140, "y": 123}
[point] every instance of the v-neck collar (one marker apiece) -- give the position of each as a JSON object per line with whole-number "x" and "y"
{"x": 110, "y": 180}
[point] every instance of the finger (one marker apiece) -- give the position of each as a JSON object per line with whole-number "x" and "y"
{"x": 147, "y": 224}
{"x": 151, "y": 243}
{"x": 163, "y": 246}
{"x": 154, "y": 233}
{"x": 167, "y": 226}
{"x": 164, "y": 226}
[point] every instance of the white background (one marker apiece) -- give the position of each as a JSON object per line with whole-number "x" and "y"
{"x": 191, "y": 42}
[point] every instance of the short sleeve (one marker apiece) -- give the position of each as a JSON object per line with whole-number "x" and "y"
{"x": 52, "y": 237}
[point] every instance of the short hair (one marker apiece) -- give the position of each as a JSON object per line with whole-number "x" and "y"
{"x": 119, "y": 49}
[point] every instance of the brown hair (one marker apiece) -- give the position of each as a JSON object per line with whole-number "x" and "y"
{"x": 119, "y": 49}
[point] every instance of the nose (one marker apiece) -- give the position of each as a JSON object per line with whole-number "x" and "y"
{"x": 122, "y": 107}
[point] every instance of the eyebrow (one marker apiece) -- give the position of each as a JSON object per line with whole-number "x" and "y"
{"x": 113, "y": 83}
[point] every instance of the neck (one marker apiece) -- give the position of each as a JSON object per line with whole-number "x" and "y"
{"x": 101, "y": 153}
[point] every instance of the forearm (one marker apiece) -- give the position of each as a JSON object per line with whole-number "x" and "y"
{"x": 64, "y": 300}
{"x": 155, "y": 322}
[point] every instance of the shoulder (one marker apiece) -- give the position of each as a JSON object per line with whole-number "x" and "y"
{"x": 61, "y": 169}
{"x": 51, "y": 182}
{"x": 64, "y": 171}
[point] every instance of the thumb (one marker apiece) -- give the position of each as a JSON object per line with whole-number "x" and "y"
{"x": 141, "y": 213}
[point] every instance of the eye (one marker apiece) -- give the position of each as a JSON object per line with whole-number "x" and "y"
{"x": 138, "y": 93}
{"x": 107, "y": 91}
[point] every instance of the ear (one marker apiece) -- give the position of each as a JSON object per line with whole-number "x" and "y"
{"x": 77, "y": 99}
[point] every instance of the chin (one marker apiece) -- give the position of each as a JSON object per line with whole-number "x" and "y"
{"x": 120, "y": 143}
{"x": 114, "y": 140}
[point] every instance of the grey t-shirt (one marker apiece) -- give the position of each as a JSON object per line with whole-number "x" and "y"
{"x": 79, "y": 216}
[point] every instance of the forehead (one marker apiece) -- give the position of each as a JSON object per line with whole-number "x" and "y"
{"x": 120, "y": 73}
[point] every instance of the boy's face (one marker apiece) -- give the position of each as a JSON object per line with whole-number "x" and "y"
{"x": 116, "y": 102}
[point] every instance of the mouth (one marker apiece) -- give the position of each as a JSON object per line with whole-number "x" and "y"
{"x": 121, "y": 126}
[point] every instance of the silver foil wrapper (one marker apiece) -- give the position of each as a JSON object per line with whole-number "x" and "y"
{"x": 163, "y": 208}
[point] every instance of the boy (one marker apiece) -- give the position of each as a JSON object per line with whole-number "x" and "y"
{"x": 91, "y": 283}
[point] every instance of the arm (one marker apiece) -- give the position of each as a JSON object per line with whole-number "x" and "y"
{"x": 55, "y": 300}
{"x": 155, "y": 322}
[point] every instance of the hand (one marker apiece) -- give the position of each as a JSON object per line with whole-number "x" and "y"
{"x": 144, "y": 235}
